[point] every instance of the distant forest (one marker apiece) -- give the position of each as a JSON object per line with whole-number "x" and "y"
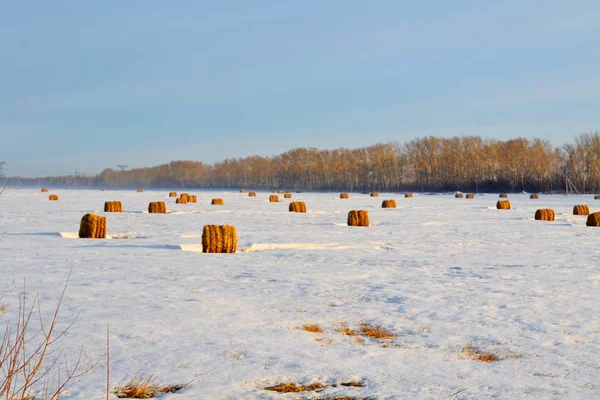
{"x": 468, "y": 164}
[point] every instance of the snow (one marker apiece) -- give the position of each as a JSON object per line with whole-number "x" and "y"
{"x": 440, "y": 272}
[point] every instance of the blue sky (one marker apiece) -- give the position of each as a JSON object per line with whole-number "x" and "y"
{"x": 88, "y": 85}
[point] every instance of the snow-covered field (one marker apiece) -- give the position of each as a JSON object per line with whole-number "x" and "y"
{"x": 438, "y": 272}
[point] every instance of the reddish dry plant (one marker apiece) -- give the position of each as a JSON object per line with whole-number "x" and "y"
{"x": 353, "y": 384}
{"x": 375, "y": 331}
{"x": 314, "y": 328}
{"x": 477, "y": 355}
{"x": 294, "y": 388}
{"x": 345, "y": 330}
{"x": 144, "y": 388}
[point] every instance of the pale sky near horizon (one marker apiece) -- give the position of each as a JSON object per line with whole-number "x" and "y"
{"x": 90, "y": 85}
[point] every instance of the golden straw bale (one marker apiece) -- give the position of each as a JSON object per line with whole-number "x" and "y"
{"x": 219, "y": 239}
{"x": 287, "y": 196}
{"x": 192, "y": 198}
{"x": 184, "y": 196}
{"x": 581, "y": 209}
{"x": 92, "y": 227}
{"x": 242, "y": 191}
{"x": 388, "y": 204}
{"x": 544, "y": 214}
{"x": 157, "y": 207}
{"x": 274, "y": 198}
{"x": 597, "y": 197}
{"x": 503, "y": 205}
{"x": 593, "y": 219}
{"x": 374, "y": 194}
{"x": 358, "y": 218}
{"x": 173, "y": 194}
{"x": 281, "y": 192}
{"x": 470, "y": 196}
{"x": 503, "y": 195}
{"x": 252, "y": 194}
{"x": 408, "y": 195}
{"x": 344, "y": 195}
{"x": 44, "y": 190}
{"x": 53, "y": 197}
{"x": 113, "y": 206}
{"x": 181, "y": 200}
{"x": 458, "y": 196}
{"x": 534, "y": 196}
{"x": 140, "y": 190}
{"x": 297, "y": 206}
{"x": 217, "y": 202}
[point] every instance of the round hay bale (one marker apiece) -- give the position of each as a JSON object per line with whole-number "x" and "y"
{"x": 192, "y": 198}
{"x": 181, "y": 200}
{"x": 252, "y": 194}
{"x": 503, "y": 196}
{"x": 534, "y": 196}
{"x": 374, "y": 194}
{"x": 297, "y": 206}
{"x": 408, "y": 195}
{"x": 92, "y": 226}
{"x": 503, "y": 205}
{"x": 388, "y": 204}
{"x": 173, "y": 194}
{"x": 242, "y": 191}
{"x": 597, "y": 197}
{"x": 281, "y": 192}
{"x": 140, "y": 190}
{"x": 593, "y": 219}
{"x": 287, "y": 196}
{"x": 358, "y": 218}
{"x": 217, "y": 202}
{"x": 44, "y": 190}
{"x": 184, "y": 196}
{"x": 113, "y": 206}
{"x": 470, "y": 196}
{"x": 544, "y": 214}
{"x": 581, "y": 209}
{"x": 344, "y": 195}
{"x": 219, "y": 239}
{"x": 157, "y": 207}
{"x": 458, "y": 196}
{"x": 274, "y": 198}
{"x": 53, "y": 197}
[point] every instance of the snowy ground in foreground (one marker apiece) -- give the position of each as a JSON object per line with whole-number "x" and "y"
{"x": 440, "y": 272}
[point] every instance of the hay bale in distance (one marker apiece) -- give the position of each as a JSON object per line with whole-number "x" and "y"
{"x": 581, "y": 209}
{"x": 544, "y": 214}
{"x": 534, "y": 197}
{"x": 287, "y": 196}
{"x": 157, "y": 207}
{"x": 358, "y": 218}
{"x": 184, "y": 196}
{"x": 388, "y": 204}
{"x": 44, "y": 190}
{"x": 219, "y": 239}
{"x": 192, "y": 198}
{"x": 140, "y": 190}
{"x": 374, "y": 194}
{"x": 172, "y": 194}
{"x": 503, "y": 196}
{"x": 92, "y": 226}
{"x": 242, "y": 191}
{"x": 344, "y": 195}
{"x": 597, "y": 197}
{"x": 274, "y": 198}
{"x": 53, "y": 197}
{"x": 297, "y": 206}
{"x": 113, "y": 206}
{"x": 593, "y": 219}
{"x": 503, "y": 205}
{"x": 217, "y": 202}
{"x": 458, "y": 196}
{"x": 281, "y": 192}
{"x": 181, "y": 200}
{"x": 470, "y": 196}
{"x": 252, "y": 194}
{"x": 408, "y": 195}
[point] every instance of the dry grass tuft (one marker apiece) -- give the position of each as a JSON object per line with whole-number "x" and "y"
{"x": 534, "y": 196}
{"x": 470, "y": 196}
{"x": 314, "y": 328}
{"x": 157, "y": 207}
{"x": 217, "y": 202}
{"x": 294, "y": 388}
{"x": 345, "y": 330}
{"x": 219, "y": 239}
{"x": 53, "y": 197}
{"x": 297, "y": 206}
{"x": 581, "y": 209}
{"x": 375, "y": 331}
{"x": 274, "y": 198}
{"x": 92, "y": 226}
{"x": 503, "y": 205}
{"x": 344, "y": 195}
{"x": 354, "y": 384}
{"x": 143, "y": 388}
{"x": 358, "y": 218}
{"x": 477, "y": 355}
{"x": 252, "y": 194}
{"x": 388, "y": 204}
{"x": 544, "y": 214}
{"x": 593, "y": 219}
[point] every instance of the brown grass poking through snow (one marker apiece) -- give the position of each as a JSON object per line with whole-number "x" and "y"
{"x": 217, "y": 202}
{"x": 219, "y": 239}
{"x": 388, "y": 204}
{"x": 252, "y": 194}
{"x": 157, "y": 207}
{"x": 345, "y": 330}
{"x": 593, "y": 219}
{"x": 53, "y": 197}
{"x": 375, "y": 331}
{"x": 353, "y": 384}
{"x": 274, "y": 198}
{"x": 358, "y": 218}
{"x": 477, "y": 355}
{"x": 297, "y": 206}
{"x": 344, "y": 195}
{"x": 294, "y": 388}
{"x": 581, "y": 209}
{"x": 544, "y": 214}
{"x": 503, "y": 205}
{"x": 314, "y": 328}
{"x": 143, "y": 388}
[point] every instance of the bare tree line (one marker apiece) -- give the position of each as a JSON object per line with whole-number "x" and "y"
{"x": 467, "y": 163}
